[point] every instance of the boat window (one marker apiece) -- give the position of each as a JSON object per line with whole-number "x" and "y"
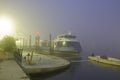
{"x": 76, "y": 45}
{"x": 67, "y": 36}
{"x": 59, "y": 44}
{"x": 70, "y": 36}
{"x": 103, "y": 57}
{"x": 61, "y": 36}
{"x": 67, "y": 44}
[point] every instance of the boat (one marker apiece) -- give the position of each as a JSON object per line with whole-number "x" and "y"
{"x": 108, "y": 66}
{"x": 66, "y": 43}
{"x": 63, "y": 44}
{"x": 105, "y": 60}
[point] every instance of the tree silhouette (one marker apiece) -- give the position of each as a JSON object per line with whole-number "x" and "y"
{"x": 8, "y": 44}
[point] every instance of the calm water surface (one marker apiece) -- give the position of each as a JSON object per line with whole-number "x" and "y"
{"x": 85, "y": 70}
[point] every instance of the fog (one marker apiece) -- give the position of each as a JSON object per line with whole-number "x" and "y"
{"x": 96, "y": 23}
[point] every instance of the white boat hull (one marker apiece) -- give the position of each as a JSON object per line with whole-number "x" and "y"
{"x": 109, "y": 60}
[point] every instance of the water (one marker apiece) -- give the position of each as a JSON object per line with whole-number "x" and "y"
{"x": 84, "y": 70}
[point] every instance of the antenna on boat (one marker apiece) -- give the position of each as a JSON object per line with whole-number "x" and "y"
{"x": 69, "y": 33}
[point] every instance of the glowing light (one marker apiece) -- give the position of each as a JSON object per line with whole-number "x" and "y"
{"x": 6, "y": 26}
{"x": 37, "y": 33}
{"x": 64, "y": 43}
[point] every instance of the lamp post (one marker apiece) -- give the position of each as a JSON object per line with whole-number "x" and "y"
{"x": 30, "y": 41}
{"x": 50, "y": 44}
{"x": 37, "y": 40}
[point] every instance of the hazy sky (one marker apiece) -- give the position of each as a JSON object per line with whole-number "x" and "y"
{"x": 95, "y": 22}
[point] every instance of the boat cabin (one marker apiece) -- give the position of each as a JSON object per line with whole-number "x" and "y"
{"x": 104, "y": 57}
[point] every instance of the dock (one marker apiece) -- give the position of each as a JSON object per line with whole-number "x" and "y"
{"x": 10, "y": 70}
{"x": 44, "y": 63}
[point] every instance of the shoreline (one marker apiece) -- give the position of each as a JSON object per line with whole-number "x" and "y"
{"x": 43, "y": 64}
{"x": 10, "y": 70}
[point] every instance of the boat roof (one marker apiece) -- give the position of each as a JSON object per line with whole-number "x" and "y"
{"x": 66, "y": 37}
{"x": 74, "y": 40}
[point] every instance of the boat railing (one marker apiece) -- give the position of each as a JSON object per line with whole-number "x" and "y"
{"x": 104, "y": 57}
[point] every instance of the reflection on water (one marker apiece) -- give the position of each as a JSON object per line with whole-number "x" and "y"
{"x": 113, "y": 67}
{"x": 64, "y": 74}
{"x": 47, "y": 75}
{"x": 84, "y": 70}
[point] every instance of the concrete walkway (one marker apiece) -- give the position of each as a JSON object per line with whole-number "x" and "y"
{"x": 44, "y": 63}
{"x": 10, "y": 70}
